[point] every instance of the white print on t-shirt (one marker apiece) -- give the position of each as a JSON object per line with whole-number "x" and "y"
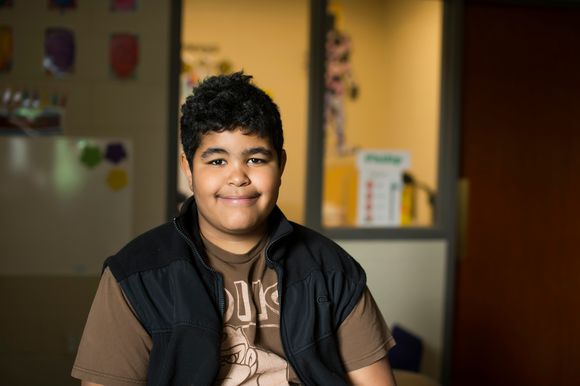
{"x": 244, "y": 364}
{"x": 239, "y": 305}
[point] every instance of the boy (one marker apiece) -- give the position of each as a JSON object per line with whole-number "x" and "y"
{"x": 232, "y": 293}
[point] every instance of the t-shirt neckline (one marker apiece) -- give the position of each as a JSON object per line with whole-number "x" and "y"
{"x": 235, "y": 258}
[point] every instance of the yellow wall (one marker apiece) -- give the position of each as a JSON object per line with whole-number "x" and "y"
{"x": 269, "y": 40}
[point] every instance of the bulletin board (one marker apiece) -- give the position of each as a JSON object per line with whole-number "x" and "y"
{"x": 65, "y": 203}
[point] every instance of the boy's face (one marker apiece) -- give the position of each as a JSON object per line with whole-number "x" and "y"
{"x": 235, "y": 179}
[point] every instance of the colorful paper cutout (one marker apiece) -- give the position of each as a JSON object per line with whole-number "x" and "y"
{"x": 59, "y": 51}
{"x": 6, "y": 48}
{"x": 91, "y": 156}
{"x": 124, "y": 55}
{"x": 117, "y": 179}
{"x": 115, "y": 152}
{"x": 62, "y": 4}
{"x": 123, "y": 5}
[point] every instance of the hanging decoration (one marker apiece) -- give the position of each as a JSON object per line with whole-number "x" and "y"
{"x": 124, "y": 55}
{"x": 59, "y": 51}
{"x": 339, "y": 82}
{"x": 123, "y": 5}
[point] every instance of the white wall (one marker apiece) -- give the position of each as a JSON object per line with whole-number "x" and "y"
{"x": 407, "y": 279}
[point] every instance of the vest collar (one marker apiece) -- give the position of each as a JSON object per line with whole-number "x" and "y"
{"x": 278, "y": 225}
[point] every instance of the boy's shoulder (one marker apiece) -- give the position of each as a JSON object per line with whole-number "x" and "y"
{"x": 321, "y": 250}
{"x": 312, "y": 237}
{"x": 152, "y": 249}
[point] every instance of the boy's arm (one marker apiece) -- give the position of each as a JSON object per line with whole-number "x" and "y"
{"x": 85, "y": 383}
{"x": 377, "y": 374}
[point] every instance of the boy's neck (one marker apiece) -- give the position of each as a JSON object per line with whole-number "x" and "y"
{"x": 234, "y": 243}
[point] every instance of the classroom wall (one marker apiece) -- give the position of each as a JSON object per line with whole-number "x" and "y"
{"x": 43, "y": 315}
{"x": 407, "y": 280}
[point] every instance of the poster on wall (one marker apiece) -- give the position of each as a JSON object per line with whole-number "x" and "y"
{"x": 123, "y": 5}
{"x": 59, "y": 52}
{"x": 6, "y": 48}
{"x": 380, "y": 187}
{"x": 124, "y": 55}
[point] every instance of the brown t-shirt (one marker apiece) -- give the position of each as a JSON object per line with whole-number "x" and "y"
{"x": 114, "y": 349}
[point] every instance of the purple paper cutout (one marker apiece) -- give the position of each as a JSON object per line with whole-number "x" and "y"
{"x": 115, "y": 152}
{"x": 62, "y": 4}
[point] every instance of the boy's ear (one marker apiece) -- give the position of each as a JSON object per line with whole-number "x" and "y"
{"x": 283, "y": 158}
{"x": 186, "y": 169}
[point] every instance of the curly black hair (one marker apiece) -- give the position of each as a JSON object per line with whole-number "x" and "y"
{"x": 229, "y": 102}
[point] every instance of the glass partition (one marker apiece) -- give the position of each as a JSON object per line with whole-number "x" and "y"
{"x": 381, "y": 113}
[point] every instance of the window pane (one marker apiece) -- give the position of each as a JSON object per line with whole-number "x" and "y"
{"x": 381, "y": 112}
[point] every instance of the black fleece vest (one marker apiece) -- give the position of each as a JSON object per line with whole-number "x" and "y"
{"x": 180, "y": 300}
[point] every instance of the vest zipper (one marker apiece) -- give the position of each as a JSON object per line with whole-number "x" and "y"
{"x": 219, "y": 280}
{"x": 283, "y": 334}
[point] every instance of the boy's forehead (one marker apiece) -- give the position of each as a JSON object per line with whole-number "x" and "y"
{"x": 234, "y": 138}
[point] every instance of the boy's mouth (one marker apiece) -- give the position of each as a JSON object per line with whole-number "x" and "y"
{"x": 239, "y": 199}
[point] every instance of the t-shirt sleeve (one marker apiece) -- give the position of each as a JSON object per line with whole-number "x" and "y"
{"x": 114, "y": 349}
{"x": 363, "y": 337}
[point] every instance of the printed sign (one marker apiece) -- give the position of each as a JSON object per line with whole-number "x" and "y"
{"x": 380, "y": 187}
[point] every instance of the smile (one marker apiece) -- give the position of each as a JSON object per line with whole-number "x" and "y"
{"x": 240, "y": 200}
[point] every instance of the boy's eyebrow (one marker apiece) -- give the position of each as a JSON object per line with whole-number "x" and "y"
{"x": 250, "y": 151}
{"x": 258, "y": 150}
{"x": 211, "y": 151}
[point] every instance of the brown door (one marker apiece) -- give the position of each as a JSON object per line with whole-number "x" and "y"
{"x": 517, "y": 317}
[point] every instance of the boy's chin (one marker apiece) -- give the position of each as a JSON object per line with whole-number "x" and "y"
{"x": 243, "y": 228}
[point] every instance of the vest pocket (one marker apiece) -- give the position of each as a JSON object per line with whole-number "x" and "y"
{"x": 185, "y": 355}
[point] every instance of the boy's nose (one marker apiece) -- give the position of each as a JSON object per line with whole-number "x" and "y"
{"x": 238, "y": 177}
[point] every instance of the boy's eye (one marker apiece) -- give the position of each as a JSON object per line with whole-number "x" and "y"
{"x": 217, "y": 162}
{"x": 256, "y": 161}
